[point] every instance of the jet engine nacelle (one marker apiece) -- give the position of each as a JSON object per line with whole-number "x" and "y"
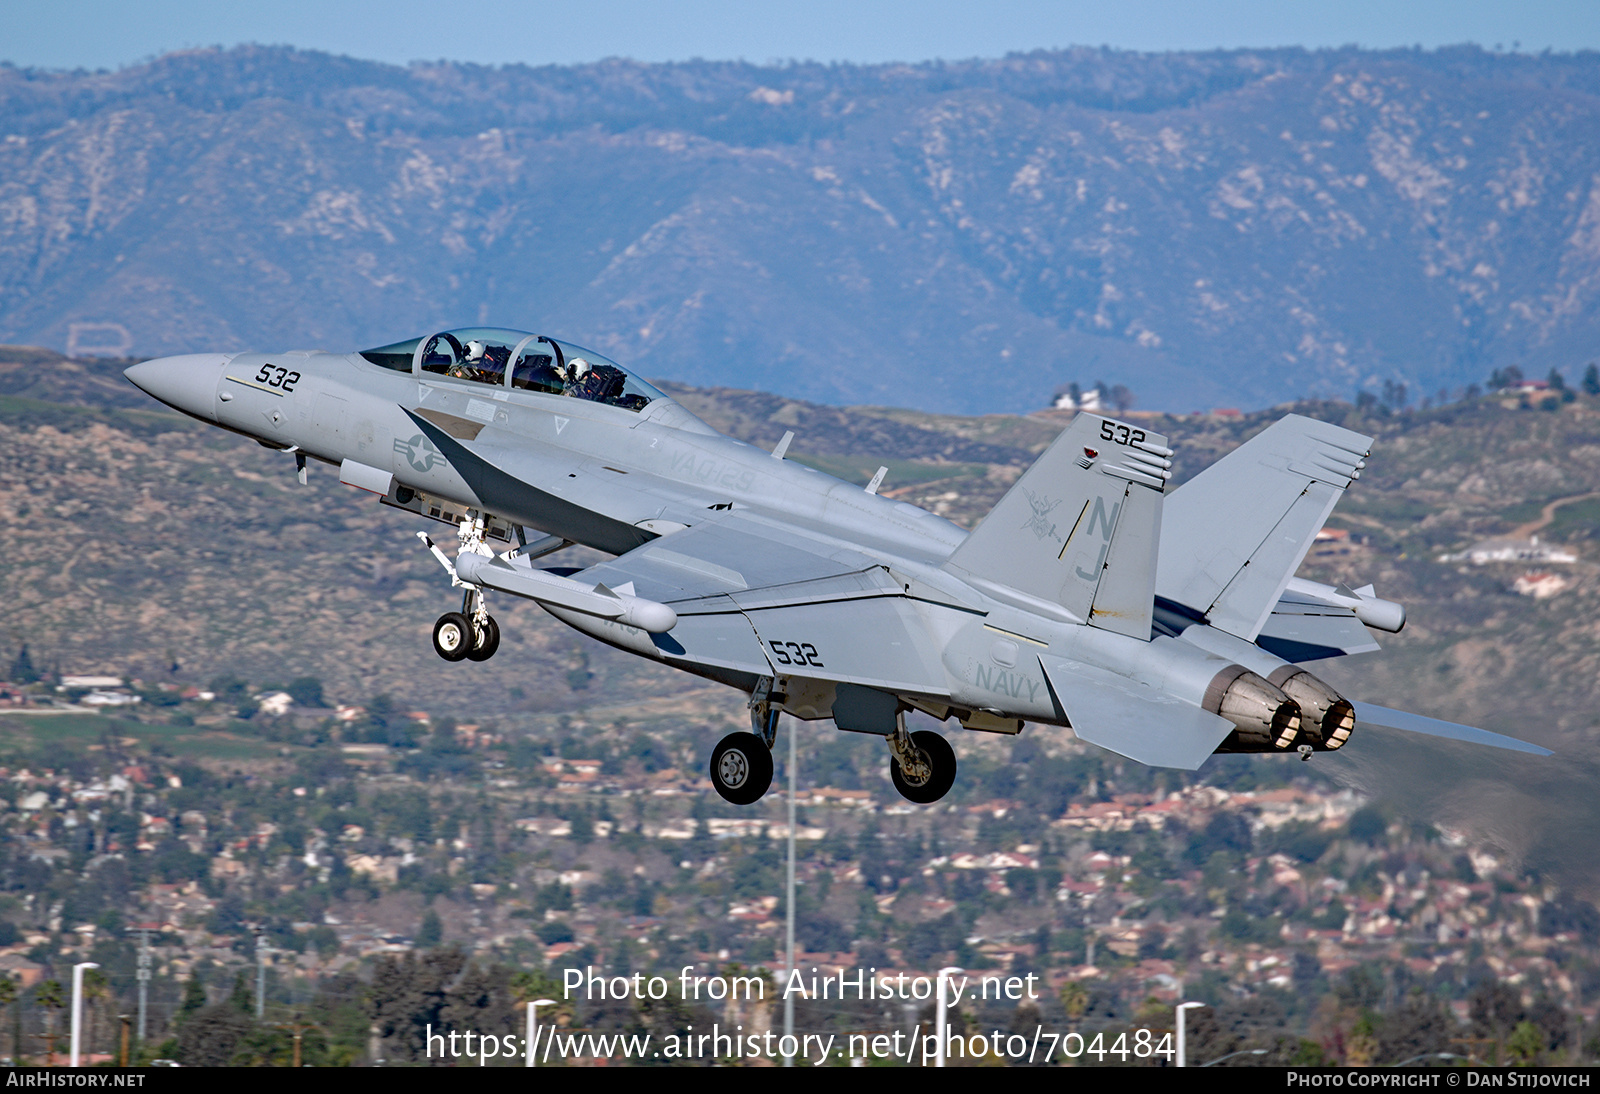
{"x": 1326, "y": 716}
{"x": 1268, "y": 719}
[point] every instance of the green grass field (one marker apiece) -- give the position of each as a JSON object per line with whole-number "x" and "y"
{"x": 37, "y": 733}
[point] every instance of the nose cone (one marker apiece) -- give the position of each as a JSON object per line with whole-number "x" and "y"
{"x": 187, "y": 383}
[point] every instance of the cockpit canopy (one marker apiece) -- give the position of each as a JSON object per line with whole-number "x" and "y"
{"x": 518, "y": 360}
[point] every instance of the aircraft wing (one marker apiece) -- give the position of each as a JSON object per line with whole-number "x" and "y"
{"x": 765, "y": 598}
{"x": 1131, "y": 720}
{"x": 732, "y": 552}
{"x": 1368, "y": 714}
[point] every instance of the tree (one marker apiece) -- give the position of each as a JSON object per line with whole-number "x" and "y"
{"x": 213, "y": 1036}
{"x": 1510, "y": 376}
{"x": 1074, "y": 1000}
{"x": 50, "y": 996}
{"x": 1496, "y": 1009}
{"x": 194, "y": 999}
{"x": 96, "y": 990}
{"x": 1361, "y": 1046}
{"x": 1368, "y": 825}
{"x": 1591, "y": 379}
{"x": 481, "y": 1000}
{"x": 408, "y": 994}
{"x": 1419, "y": 1026}
{"x": 527, "y": 986}
{"x": 8, "y": 998}
{"x": 23, "y": 672}
{"x": 1525, "y": 1043}
{"x": 431, "y": 932}
{"x": 306, "y": 691}
{"x": 240, "y": 998}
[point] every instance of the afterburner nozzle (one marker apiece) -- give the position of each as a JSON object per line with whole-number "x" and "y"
{"x": 1267, "y": 719}
{"x": 1327, "y": 717}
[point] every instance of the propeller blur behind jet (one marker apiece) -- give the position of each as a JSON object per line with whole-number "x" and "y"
{"x": 1165, "y": 626}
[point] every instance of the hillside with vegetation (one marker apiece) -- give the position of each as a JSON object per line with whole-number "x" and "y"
{"x": 422, "y": 843}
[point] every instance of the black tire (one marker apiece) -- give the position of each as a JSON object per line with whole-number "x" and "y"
{"x": 453, "y": 636}
{"x": 488, "y": 641}
{"x": 741, "y": 768}
{"x": 943, "y": 760}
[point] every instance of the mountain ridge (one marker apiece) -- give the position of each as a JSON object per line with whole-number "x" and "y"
{"x": 1237, "y": 227}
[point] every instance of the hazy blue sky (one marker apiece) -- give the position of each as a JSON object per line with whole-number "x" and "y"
{"x": 111, "y": 33}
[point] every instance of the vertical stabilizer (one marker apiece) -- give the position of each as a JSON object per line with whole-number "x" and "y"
{"x": 1080, "y": 528}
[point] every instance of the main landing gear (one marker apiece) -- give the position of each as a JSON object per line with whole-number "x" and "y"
{"x": 741, "y": 768}
{"x": 741, "y": 764}
{"x": 922, "y": 765}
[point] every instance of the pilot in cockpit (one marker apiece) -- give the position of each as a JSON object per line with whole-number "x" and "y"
{"x": 574, "y": 377}
{"x": 596, "y": 383}
{"x": 479, "y": 364}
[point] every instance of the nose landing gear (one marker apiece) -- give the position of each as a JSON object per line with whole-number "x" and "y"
{"x": 453, "y": 636}
{"x": 470, "y": 634}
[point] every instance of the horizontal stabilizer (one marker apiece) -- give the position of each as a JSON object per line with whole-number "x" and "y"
{"x": 1367, "y": 714}
{"x": 1131, "y": 720}
{"x": 1305, "y": 637}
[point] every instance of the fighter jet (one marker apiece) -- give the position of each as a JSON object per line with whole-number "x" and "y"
{"x": 1163, "y": 625}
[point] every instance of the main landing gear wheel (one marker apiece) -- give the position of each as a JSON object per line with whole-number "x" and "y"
{"x": 453, "y": 636}
{"x": 488, "y": 640}
{"x": 741, "y": 768}
{"x": 941, "y": 760}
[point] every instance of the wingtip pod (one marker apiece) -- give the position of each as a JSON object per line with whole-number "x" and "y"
{"x": 1368, "y": 714}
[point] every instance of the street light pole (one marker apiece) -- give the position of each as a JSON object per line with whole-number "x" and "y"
{"x": 261, "y": 973}
{"x": 1182, "y": 1007}
{"x": 788, "y": 1000}
{"x": 77, "y": 1006}
{"x": 940, "y": 1008}
{"x": 144, "y": 978}
{"x": 533, "y": 1007}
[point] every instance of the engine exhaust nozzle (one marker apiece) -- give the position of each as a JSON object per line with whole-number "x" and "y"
{"x": 1327, "y": 717}
{"x": 1268, "y": 719}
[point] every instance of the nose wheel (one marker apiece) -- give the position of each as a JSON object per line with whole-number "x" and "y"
{"x": 454, "y": 636}
{"x": 741, "y": 768}
{"x": 486, "y": 639}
